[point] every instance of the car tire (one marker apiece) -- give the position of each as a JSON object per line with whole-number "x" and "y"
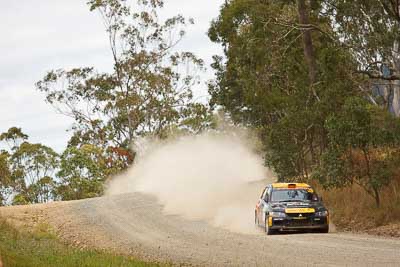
{"x": 268, "y": 230}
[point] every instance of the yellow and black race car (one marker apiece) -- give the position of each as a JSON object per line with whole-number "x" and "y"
{"x": 291, "y": 206}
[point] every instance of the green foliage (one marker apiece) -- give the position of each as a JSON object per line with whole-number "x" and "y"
{"x": 27, "y": 171}
{"x": 41, "y": 249}
{"x": 5, "y": 177}
{"x": 83, "y": 172}
{"x": 13, "y": 137}
{"x": 20, "y": 199}
{"x": 34, "y": 173}
{"x": 292, "y": 70}
{"x": 146, "y": 93}
{"x": 264, "y": 80}
{"x": 363, "y": 148}
{"x": 369, "y": 28}
{"x": 34, "y": 166}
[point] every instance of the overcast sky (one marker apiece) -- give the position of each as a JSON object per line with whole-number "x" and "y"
{"x": 37, "y": 36}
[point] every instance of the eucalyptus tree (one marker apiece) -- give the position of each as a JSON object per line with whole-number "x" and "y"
{"x": 5, "y": 177}
{"x": 280, "y": 74}
{"x": 148, "y": 91}
{"x": 83, "y": 171}
{"x": 370, "y": 30}
{"x": 34, "y": 167}
{"x": 27, "y": 171}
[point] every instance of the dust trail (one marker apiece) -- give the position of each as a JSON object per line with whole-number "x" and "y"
{"x": 212, "y": 177}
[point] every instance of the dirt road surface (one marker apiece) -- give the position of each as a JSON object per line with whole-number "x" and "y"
{"x": 134, "y": 224}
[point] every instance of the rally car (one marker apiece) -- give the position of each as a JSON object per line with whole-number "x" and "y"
{"x": 291, "y": 206}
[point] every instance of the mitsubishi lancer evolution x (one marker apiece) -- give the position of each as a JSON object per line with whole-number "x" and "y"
{"x": 291, "y": 206}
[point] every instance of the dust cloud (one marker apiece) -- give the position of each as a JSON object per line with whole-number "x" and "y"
{"x": 213, "y": 177}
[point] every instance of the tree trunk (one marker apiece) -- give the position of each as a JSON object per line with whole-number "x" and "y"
{"x": 394, "y": 86}
{"x": 308, "y": 47}
{"x": 377, "y": 197}
{"x": 375, "y": 191}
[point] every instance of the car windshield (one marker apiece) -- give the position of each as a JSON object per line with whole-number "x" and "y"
{"x": 291, "y": 195}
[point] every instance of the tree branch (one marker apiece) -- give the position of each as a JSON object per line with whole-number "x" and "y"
{"x": 379, "y": 76}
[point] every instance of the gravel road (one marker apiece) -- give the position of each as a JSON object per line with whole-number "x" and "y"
{"x": 135, "y": 224}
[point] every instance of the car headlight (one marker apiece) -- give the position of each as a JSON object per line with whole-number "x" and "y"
{"x": 321, "y": 213}
{"x": 277, "y": 214}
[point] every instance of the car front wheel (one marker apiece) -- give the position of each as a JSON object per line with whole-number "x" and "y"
{"x": 267, "y": 229}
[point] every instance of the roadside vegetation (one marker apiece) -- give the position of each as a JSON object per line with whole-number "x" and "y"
{"x": 353, "y": 210}
{"x": 318, "y": 81}
{"x": 39, "y": 248}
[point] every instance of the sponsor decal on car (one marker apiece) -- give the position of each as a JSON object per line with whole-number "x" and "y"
{"x": 300, "y": 210}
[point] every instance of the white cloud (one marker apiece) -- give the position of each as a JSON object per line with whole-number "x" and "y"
{"x": 37, "y": 36}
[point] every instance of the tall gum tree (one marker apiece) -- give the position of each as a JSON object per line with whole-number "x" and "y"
{"x": 149, "y": 91}
{"x": 280, "y": 58}
{"x": 371, "y": 31}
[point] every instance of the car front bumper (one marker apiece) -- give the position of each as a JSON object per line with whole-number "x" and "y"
{"x": 296, "y": 223}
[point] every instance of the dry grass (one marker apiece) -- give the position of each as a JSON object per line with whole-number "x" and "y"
{"x": 353, "y": 209}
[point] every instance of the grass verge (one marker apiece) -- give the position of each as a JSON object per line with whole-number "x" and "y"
{"x": 39, "y": 248}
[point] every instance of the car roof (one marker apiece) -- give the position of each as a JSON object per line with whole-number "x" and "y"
{"x": 292, "y": 185}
